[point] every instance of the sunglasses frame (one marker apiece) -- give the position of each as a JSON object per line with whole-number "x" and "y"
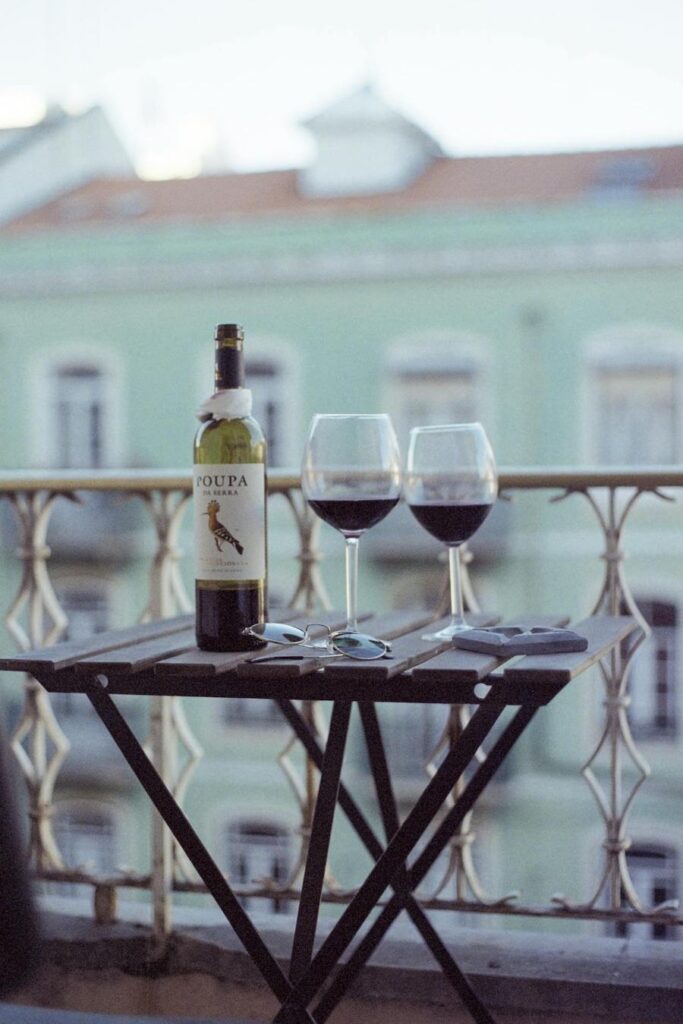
{"x": 324, "y": 643}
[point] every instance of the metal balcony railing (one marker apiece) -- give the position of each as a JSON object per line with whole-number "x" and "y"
{"x": 35, "y": 618}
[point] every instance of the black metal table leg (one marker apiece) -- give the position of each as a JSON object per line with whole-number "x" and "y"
{"x": 395, "y": 855}
{"x": 387, "y": 803}
{"x": 422, "y": 865}
{"x": 367, "y": 836}
{"x": 308, "y": 973}
{"x": 310, "y": 743}
{"x": 199, "y": 856}
{"x": 319, "y": 844}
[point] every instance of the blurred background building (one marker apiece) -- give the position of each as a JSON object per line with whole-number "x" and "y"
{"x": 540, "y": 294}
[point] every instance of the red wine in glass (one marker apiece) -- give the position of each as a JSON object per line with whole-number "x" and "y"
{"x": 451, "y": 524}
{"x": 450, "y": 485}
{"x": 352, "y": 515}
{"x": 351, "y": 478}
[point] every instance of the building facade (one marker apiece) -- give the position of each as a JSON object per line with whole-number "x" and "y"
{"x": 541, "y": 295}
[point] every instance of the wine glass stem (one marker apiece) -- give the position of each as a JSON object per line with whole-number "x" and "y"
{"x": 352, "y": 583}
{"x": 457, "y": 610}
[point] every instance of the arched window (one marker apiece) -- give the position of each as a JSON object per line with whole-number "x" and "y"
{"x": 267, "y": 379}
{"x": 271, "y": 367}
{"x": 411, "y": 733}
{"x": 87, "y": 837}
{"x": 86, "y": 603}
{"x": 271, "y": 372}
{"x": 251, "y": 711}
{"x": 654, "y": 873}
{"x": 653, "y": 678}
{"x": 77, "y": 411}
{"x": 434, "y": 377}
{"x": 259, "y": 848}
{"x": 634, "y": 385}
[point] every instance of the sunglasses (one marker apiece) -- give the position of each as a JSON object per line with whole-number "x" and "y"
{"x": 349, "y": 644}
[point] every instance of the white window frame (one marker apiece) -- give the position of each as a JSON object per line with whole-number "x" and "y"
{"x": 72, "y": 705}
{"x": 44, "y": 443}
{"x": 646, "y": 832}
{"x": 281, "y": 832}
{"x": 437, "y": 353}
{"x": 251, "y": 713}
{"x": 627, "y": 347}
{"x": 649, "y": 873}
{"x": 114, "y": 842}
{"x": 426, "y": 723}
{"x": 644, "y": 667}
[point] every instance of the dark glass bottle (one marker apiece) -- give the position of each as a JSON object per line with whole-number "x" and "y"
{"x": 229, "y": 507}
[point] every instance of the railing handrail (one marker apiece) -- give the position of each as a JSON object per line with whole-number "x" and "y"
{"x": 611, "y": 492}
{"x": 644, "y": 478}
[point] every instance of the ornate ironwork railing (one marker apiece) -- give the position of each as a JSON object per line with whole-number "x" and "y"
{"x": 35, "y": 618}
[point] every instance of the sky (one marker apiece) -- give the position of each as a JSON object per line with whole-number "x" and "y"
{"x": 215, "y": 85}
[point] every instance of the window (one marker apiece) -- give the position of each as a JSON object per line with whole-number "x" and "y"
{"x": 265, "y": 380}
{"x": 86, "y": 605}
{"x": 78, "y": 416}
{"x": 271, "y": 367}
{"x": 79, "y": 427}
{"x": 654, "y": 872}
{"x": 259, "y": 849}
{"x": 274, "y": 395}
{"x": 653, "y": 675}
{"x": 251, "y": 711}
{"x": 410, "y": 734}
{"x": 87, "y": 838}
{"x": 624, "y": 175}
{"x": 633, "y": 396}
{"x": 637, "y": 415}
{"x": 433, "y": 379}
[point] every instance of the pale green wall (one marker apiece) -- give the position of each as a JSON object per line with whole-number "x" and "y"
{"x": 340, "y": 330}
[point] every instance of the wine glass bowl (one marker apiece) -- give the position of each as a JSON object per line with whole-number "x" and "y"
{"x": 351, "y": 478}
{"x": 450, "y": 485}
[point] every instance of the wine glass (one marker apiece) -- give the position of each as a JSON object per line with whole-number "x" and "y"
{"x": 351, "y": 478}
{"x": 451, "y": 484}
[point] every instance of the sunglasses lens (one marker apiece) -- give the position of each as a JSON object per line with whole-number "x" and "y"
{"x": 276, "y": 632}
{"x": 359, "y": 646}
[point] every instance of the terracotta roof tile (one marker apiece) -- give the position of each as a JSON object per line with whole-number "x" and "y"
{"x": 448, "y": 182}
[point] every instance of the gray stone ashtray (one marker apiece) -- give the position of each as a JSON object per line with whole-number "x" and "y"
{"x": 507, "y": 641}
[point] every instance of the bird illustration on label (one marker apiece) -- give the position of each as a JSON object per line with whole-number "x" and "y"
{"x": 221, "y": 534}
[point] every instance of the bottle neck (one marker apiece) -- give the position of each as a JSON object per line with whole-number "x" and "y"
{"x": 229, "y": 364}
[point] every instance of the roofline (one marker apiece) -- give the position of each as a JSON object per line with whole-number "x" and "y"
{"x": 52, "y": 120}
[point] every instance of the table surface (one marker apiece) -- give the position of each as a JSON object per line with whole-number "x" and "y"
{"x": 160, "y": 658}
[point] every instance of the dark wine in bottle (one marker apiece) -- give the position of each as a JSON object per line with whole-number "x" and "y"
{"x": 451, "y": 524}
{"x": 229, "y": 507}
{"x": 352, "y": 515}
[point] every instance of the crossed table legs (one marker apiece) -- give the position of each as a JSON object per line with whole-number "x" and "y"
{"x": 308, "y": 972}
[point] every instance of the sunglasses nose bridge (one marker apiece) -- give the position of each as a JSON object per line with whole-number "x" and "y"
{"x": 312, "y": 625}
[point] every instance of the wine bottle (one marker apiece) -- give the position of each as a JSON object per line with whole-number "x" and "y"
{"x": 229, "y": 506}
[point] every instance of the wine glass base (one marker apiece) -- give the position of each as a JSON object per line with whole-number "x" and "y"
{"x": 448, "y": 632}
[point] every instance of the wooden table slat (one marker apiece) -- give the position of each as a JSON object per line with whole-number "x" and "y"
{"x": 196, "y": 663}
{"x": 469, "y": 666}
{"x": 136, "y": 657}
{"x": 408, "y": 650}
{"x": 602, "y": 632}
{"x": 70, "y": 652}
{"x": 417, "y": 671}
{"x": 289, "y": 666}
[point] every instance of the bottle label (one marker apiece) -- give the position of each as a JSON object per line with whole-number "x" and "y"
{"x": 229, "y": 522}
